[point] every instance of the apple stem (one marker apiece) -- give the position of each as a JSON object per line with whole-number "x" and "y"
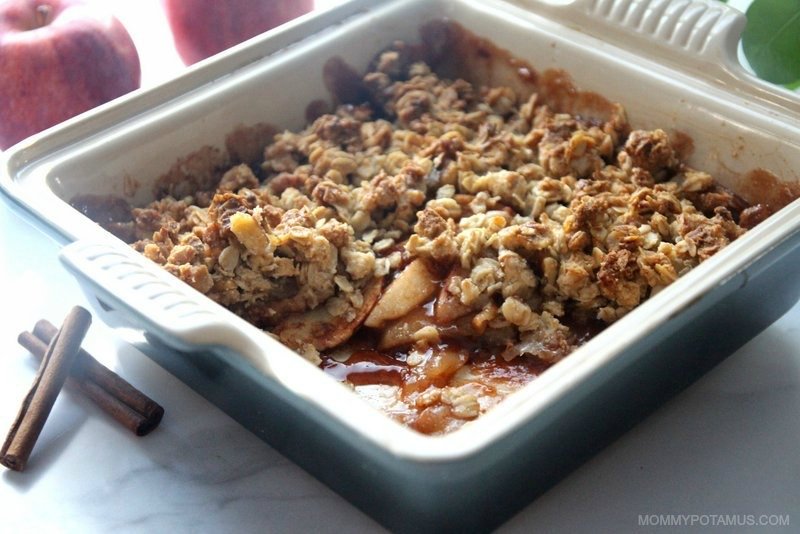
{"x": 44, "y": 12}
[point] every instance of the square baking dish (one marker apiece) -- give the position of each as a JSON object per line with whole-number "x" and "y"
{"x": 672, "y": 64}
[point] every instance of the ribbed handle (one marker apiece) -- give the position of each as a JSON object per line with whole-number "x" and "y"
{"x": 186, "y": 319}
{"x": 704, "y": 29}
{"x": 696, "y": 26}
{"x": 126, "y": 275}
{"x": 697, "y": 37}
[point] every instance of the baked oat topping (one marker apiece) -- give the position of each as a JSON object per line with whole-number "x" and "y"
{"x": 456, "y": 239}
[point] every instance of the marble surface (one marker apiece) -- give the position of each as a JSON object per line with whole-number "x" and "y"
{"x": 726, "y": 446}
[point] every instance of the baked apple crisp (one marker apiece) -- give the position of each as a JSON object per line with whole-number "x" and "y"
{"x": 441, "y": 243}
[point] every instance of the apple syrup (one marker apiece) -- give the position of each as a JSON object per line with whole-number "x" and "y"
{"x": 414, "y": 383}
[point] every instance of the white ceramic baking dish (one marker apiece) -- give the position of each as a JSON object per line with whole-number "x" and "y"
{"x": 671, "y": 63}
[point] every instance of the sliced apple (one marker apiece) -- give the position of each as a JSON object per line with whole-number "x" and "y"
{"x": 448, "y": 306}
{"x": 401, "y": 331}
{"x": 321, "y": 329}
{"x": 438, "y": 366}
{"x": 411, "y": 289}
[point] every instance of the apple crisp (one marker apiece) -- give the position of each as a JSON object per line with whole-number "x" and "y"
{"x": 441, "y": 243}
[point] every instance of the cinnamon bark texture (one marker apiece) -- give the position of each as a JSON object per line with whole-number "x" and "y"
{"x": 55, "y": 367}
{"x": 111, "y": 393}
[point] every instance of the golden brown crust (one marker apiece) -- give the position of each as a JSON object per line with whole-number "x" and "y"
{"x": 541, "y": 218}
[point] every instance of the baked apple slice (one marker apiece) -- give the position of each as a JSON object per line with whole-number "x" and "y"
{"x": 414, "y": 286}
{"x": 402, "y": 332}
{"x": 448, "y": 306}
{"x": 319, "y": 328}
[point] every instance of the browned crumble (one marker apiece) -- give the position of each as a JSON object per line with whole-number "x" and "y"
{"x": 516, "y": 232}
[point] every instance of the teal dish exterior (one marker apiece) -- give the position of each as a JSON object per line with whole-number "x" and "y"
{"x": 479, "y": 492}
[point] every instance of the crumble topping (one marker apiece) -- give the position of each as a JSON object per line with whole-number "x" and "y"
{"x": 454, "y": 224}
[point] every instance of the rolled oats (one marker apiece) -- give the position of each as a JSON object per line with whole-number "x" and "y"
{"x": 534, "y": 223}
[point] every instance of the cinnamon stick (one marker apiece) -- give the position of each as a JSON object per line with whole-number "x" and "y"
{"x": 56, "y": 363}
{"x": 89, "y": 371}
{"x": 112, "y": 394}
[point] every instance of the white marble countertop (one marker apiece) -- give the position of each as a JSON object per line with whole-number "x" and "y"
{"x": 727, "y": 446}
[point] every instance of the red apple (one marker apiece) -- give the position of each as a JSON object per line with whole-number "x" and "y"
{"x": 202, "y": 28}
{"x": 59, "y": 58}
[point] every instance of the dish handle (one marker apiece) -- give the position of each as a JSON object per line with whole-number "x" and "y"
{"x": 155, "y": 300}
{"x": 700, "y": 36}
{"x": 708, "y": 30}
